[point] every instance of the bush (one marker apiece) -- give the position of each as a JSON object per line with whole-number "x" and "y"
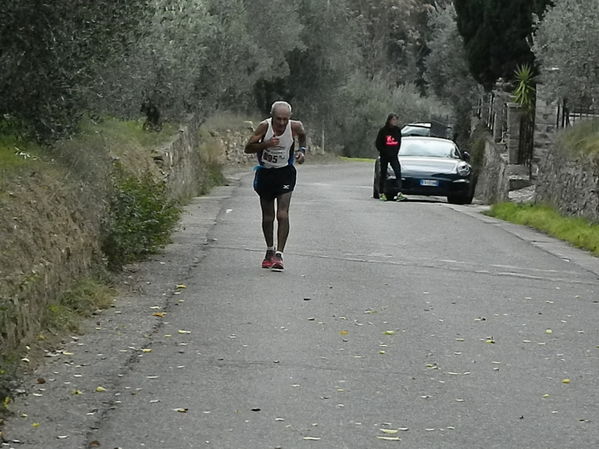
{"x": 365, "y": 106}
{"x": 141, "y": 218}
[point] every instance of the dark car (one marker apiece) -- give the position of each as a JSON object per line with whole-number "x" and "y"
{"x": 430, "y": 166}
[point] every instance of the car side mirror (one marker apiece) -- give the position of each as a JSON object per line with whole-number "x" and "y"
{"x": 466, "y": 156}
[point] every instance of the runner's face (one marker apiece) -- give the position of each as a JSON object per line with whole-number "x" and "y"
{"x": 280, "y": 119}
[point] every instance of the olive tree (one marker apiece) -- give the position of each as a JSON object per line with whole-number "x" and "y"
{"x": 565, "y": 44}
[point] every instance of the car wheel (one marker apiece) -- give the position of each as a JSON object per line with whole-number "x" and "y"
{"x": 459, "y": 199}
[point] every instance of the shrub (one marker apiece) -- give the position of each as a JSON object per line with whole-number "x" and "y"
{"x": 141, "y": 218}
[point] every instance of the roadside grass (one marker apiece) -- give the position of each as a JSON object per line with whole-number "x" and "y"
{"x": 578, "y": 231}
{"x": 223, "y": 121}
{"x": 583, "y": 138}
{"x": 117, "y": 130}
{"x": 78, "y": 302}
{"x": 64, "y": 317}
{"x": 357, "y": 159}
{"x": 16, "y": 154}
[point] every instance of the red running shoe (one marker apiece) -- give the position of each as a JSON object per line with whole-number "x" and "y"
{"x": 267, "y": 262}
{"x": 277, "y": 262}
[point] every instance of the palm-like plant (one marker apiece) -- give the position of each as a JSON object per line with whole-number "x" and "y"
{"x": 524, "y": 94}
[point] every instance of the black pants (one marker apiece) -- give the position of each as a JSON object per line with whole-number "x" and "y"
{"x": 386, "y": 159}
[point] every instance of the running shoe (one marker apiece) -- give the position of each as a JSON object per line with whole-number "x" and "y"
{"x": 267, "y": 262}
{"x": 400, "y": 197}
{"x": 383, "y": 197}
{"x": 277, "y": 263}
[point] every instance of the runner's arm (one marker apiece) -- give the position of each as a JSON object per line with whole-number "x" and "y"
{"x": 254, "y": 144}
{"x": 297, "y": 128}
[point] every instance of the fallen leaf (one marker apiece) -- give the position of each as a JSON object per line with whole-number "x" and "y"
{"x": 100, "y": 389}
{"x": 344, "y": 332}
{"x": 76, "y": 392}
{"x": 181, "y": 331}
{"x": 389, "y": 332}
{"x": 389, "y": 431}
{"x": 146, "y": 350}
{"x": 566, "y": 381}
{"x": 389, "y": 438}
{"x": 548, "y": 331}
{"x": 312, "y": 438}
{"x": 35, "y": 424}
{"x": 181, "y": 410}
{"x": 62, "y": 437}
{"x": 159, "y": 314}
{"x": 181, "y": 286}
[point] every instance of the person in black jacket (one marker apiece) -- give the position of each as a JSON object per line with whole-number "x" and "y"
{"x": 388, "y": 141}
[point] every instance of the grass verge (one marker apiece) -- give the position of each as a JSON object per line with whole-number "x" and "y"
{"x": 357, "y": 159}
{"x": 582, "y": 138}
{"x": 577, "y": 231}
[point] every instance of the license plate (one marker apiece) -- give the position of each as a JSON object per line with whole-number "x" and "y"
{"x": 429, "y": 182}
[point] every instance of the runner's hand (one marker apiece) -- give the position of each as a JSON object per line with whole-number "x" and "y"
{"x": 272, "y": 142}
{"x": 299, "y": 157}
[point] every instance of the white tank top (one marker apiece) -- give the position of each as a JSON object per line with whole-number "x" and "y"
{"x": 281, "y": 155}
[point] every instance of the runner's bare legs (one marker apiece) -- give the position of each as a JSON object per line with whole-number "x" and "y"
{"x": 268, "y": 218}
{"x": 283, "y": 202}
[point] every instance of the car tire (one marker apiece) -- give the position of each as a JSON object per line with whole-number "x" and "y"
{"x": 459, "y": 199}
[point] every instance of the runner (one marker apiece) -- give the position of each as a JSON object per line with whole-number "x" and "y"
{"x": 273, "y": 142}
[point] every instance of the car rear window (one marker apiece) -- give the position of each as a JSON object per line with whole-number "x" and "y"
{"x": 415, "y": 131}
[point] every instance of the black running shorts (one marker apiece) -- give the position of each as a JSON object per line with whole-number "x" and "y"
{"x": 269, "y": 183}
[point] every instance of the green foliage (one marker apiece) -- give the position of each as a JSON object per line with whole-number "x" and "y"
{"x": 496, "y": 35}
{"x": 565, "y": 44}
{"x": 581, "y": 139}
{"x": 370, "y": 101}
{"x": 141, "y": 218}
{"x": 524, "y": 94}
{"x": 577, "y": 231}
{"x": 49, "y": 51}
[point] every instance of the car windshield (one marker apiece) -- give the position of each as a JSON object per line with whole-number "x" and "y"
{"x": 429, "y": 148}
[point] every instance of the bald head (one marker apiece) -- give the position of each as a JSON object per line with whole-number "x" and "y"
{"x": 280, "y": 106}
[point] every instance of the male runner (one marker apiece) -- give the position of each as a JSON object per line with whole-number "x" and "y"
{"x": 274, "y": 144}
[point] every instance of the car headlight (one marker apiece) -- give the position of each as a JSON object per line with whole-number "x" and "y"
{"x": 464, "y": 169}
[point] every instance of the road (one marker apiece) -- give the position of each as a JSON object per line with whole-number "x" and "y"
{"x": 419, "y": 325}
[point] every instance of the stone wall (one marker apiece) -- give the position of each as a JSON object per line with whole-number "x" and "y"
{"x": 57, "y": 236}
{"x": 546, "y": 115}
{"x": 493, "y": 181}
{"x": 569, "y": 184}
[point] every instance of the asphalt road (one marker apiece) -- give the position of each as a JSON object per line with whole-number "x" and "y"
{"x": 418, "y": 321}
